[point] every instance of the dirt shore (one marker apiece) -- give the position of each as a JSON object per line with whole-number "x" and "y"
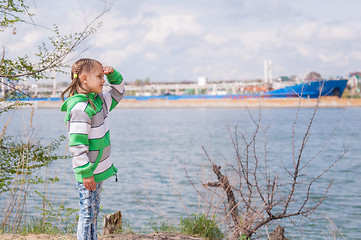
{"x": 327, "y": 102}
{"x": 128, "y": 236}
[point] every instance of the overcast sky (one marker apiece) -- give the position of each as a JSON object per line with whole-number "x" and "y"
{"x": 169, "y": 40}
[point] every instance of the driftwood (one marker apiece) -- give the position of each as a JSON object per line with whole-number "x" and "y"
{"x": 112, "y": 223}
{"x": 225, "y": 184}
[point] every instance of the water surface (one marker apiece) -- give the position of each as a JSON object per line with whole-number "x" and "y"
{"x": 153, "y": 147}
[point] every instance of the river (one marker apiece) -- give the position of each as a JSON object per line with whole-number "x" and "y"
{"x": 152, "y": 148}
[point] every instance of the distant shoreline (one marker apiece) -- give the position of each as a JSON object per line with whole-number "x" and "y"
{"x": 325, "y": 102}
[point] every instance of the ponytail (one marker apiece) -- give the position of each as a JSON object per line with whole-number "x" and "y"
{"x": 80, "y": 66}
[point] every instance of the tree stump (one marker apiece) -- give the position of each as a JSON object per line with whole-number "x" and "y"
{"x": 112, "y": 223}
{"x": 278, "y": 234}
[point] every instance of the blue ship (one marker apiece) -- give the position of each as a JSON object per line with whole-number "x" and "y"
{"x": 311, "y": 89}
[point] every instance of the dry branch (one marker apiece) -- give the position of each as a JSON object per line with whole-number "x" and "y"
{"x": 262, "y": 196}
{"x": 227, "y": 187}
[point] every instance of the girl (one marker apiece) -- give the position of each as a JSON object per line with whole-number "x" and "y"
{"x": 89, "y": 141}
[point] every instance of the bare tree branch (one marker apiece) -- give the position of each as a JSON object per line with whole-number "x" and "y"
{"x": 262, "y": 196}
{"x": 56, "y": 62}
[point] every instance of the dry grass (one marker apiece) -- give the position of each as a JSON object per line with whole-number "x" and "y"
{"x": 129, "y": 236}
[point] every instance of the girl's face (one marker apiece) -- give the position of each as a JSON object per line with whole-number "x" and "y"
{"x": 94, "y": 80}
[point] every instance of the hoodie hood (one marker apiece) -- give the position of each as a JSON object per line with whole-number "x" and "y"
{"x": 77, "y": 97}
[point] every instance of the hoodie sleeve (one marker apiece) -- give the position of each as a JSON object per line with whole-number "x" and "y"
{"x": 116, "y": 92}
{"x": 79, "y": 125}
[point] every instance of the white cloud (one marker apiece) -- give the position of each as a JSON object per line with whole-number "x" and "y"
{"x": 304, "y": 51}
{"x": 331, "y": 57}
{"x": 165, "y": 25}
{"x": 300, "y": 32}
{"x": 120, "y": 55}
{"x": 182, "y": 40}
{"x": 356, "y": 55}
{"x": 215, "y": 39}
{"x": 151, "y": 56}
{"x": 25, "y": 44}
{"x": 337, "y": 33}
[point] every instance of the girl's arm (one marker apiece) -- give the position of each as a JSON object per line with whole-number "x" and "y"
{"x": 79, "y": 125}
{"x": 116, "y": 92}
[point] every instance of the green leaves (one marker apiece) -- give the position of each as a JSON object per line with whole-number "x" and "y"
{"x": 202, "y": 226}
{"x": 54, "y": 218}
{"x": 12, "y": 12}
{"x": 23, "y": 158}
{"x": 51, "y": 53}
{"x": 20, "y": 158}
{"x": 50, "y": 56}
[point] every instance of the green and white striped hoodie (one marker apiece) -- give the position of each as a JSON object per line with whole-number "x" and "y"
{"x": 88, "y": 128}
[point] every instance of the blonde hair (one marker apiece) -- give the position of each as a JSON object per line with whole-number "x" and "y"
{"x": 80, "y": 66}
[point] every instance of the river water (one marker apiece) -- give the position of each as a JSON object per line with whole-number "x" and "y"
{"x": 153, "y": 148}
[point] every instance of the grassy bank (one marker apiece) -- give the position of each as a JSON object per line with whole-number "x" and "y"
{"x": 128, "y": 236}
{"x": 190, "y": 228}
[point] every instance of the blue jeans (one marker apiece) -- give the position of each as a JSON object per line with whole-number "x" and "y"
{"x": 89, "y": 210}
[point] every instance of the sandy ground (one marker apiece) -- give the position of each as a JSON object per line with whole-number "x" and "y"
{"x": 129, "y": 236}
{"x": 329, "y": 102}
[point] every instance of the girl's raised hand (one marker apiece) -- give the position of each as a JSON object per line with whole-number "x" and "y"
{"x": 107, "y": 69}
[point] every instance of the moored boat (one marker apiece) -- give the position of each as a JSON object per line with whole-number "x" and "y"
{"x": 311, "y": 89}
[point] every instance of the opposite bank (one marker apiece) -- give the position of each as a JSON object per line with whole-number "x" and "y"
{"x": 326, "y": 102}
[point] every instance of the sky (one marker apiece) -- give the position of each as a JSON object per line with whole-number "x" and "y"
{"x": 169, "y": 40}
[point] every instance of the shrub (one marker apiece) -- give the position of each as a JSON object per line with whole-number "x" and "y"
{"x": 202, "y": 226}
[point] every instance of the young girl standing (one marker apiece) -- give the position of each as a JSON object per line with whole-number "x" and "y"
{"x": 86, "y": 110}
